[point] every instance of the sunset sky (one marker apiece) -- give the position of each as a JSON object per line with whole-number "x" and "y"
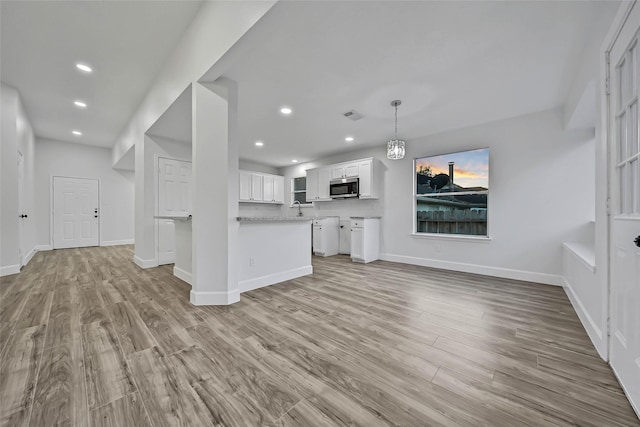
{"x": 471, "y": 168}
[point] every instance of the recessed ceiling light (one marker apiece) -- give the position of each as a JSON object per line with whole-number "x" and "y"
{"x": 349, "y": 139}
{"x": 294, "y": 161}
{"x": 84, "y": 67}
{"x": 76, "y": 132}
{"x": 259, "y": 144}
{"x": 286, "y": 111}
{"x": 80, "y": 104}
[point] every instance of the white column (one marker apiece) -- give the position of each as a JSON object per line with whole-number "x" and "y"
{"x": 145, "y": 249}
{"x": 215, "y": 194}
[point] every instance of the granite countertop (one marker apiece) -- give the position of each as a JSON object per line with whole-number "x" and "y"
{"x": 177, "y": 218}
{"x": 272, "y": 218}
{"x": 365, "y": 217}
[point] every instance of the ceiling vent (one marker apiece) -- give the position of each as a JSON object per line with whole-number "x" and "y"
{"x": 353, "y": 115}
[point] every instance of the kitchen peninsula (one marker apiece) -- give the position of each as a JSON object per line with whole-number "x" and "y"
{"x": 273, "y": 250}
{"x": 270, "y": 250}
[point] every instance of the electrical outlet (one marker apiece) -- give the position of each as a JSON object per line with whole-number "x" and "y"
{"x": 252, "y": 261}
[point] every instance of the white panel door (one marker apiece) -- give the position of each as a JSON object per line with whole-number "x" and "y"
{"x": 174, "y": 187}
{"x": 166, "y": 242}
{"x": 75, "y": 212}
{"x": 174, "y": 199}
{"x": 624, "y": 254}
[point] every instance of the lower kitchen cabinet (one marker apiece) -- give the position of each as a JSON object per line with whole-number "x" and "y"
{"x": 326, "y": 236}
{"x": 365, "y": 239}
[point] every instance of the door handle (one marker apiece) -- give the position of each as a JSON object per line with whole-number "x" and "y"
{"x": 95, "y": 216}
{"x": 22, "y": 216}
{"x": 637, "y": 241}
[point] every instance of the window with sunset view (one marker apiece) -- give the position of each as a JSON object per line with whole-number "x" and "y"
{"x": 451, "y": 193}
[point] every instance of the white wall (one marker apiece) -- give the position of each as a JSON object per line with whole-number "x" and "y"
{"x": 17, "y": 135}
{"x": 56, "y": 158}
{"x": 26, "y": 146}
{"x": 9, "y": 241}
{"x": 541, "y": 195}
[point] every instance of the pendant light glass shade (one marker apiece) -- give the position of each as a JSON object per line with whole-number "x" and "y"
{"x": 395, "y": 147}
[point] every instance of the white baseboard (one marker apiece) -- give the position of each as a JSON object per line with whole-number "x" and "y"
{"x": 145, "y": 263}
{"x": 44, "y": 247}
{"x": 9, "y": 270}
{"x": 592, "y": 328}
{"x": 214, "y": 298}
{"x": 270, "y": 279}
{"x": 30, "y": 255}
{"x": 117, "y": 242}
{"x": 634, "y": 405}
{"x": 182, "y": 274}
{"x": 505, "y": 273}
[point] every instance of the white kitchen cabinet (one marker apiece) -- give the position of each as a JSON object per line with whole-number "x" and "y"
{"x": 326, "y": 236}
{"x": 312, "y": 184}
{"x": 344, "y": 170}
{"x": 318, "y": 185}
{"x": 368, "y": 184}
{"x": 278, "y": 189}
{"x": 245, "y": 186}
{"x": 365, "y": 239}
{"x": 256, "y": 187}
{"x": 323, "y": 185}
{"x": 261, "y": 188}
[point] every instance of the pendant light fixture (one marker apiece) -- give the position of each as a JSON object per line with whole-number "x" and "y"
{"x": 395, "y": 147}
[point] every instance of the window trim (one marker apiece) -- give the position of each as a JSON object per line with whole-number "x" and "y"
{"x": 302, "y": 205}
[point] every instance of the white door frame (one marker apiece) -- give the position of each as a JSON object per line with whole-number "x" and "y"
{"x": 21, "y": 254}
{"x": 51, "y": 206}
{"x": 612, "y": 37}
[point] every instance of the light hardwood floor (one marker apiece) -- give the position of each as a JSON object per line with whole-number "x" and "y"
{"x": 89, "y": 339}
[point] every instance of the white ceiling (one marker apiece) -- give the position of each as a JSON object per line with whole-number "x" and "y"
{"x": 126, "y": 43}
{"x": 453, "y": 64}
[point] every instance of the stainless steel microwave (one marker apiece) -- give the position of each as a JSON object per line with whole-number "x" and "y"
{"x": 344, "y": 188}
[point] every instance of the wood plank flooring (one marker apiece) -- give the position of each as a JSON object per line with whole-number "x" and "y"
{"x": 89, "y": 339}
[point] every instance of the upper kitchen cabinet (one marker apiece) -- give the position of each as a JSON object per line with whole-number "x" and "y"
{"x": 261, "y": 188}
{"x": 368, "y": 173}
{"x": 366, "y": 170}
{"x": 318, "y": 185}
{"x": 345, "y": 170}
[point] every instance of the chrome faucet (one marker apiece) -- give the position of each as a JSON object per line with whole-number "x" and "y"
{"x": 299, "y": 207}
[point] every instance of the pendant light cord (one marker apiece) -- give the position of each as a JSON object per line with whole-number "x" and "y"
{"x": 396, "y": 107}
